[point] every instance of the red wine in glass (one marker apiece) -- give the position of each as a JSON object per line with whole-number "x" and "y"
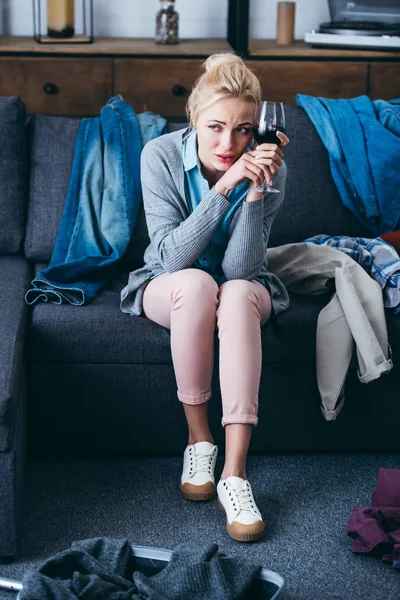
{"x": 268, "y": 136}
{"x": 270, "y": 118}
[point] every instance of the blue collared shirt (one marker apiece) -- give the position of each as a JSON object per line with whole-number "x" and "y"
{"x": 196, "y": 188}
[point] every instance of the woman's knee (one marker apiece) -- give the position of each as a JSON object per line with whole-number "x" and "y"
{"x": 196, "y": 284}
{"x": 236, "y": 290}
{"x": 240, "y": 295}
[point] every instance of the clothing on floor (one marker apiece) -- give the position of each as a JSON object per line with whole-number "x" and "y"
{"x": 104, "y": 182}
{"x": 377, "y": 528}
{"x": 363, "y": 140}
{"x": 379, "y": 259}
{"x": 178, "y": 238}
{"x": 105, "y": 568}
{"x": 354, "y": 316}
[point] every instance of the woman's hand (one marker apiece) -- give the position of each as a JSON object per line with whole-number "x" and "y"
{"x": 258, "y": 165}
{"x": 269, "y": 157}
{"x": 244, "y": 168}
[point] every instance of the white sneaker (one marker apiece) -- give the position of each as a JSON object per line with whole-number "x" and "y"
{"x": 197, "y": 481}
{"x": 243, "y": 519}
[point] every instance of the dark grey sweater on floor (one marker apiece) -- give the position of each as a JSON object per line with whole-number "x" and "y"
{"x": 103, "y": 568}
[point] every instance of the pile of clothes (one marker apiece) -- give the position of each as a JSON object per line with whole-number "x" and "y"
{"x": 376, "y": 528}
{"x": 105, "y": 568}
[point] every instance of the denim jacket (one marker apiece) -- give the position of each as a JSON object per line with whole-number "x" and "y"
{"x": 105, "y": 182}
{"x": 363, "y": 141}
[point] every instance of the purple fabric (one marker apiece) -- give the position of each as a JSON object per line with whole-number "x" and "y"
{"x": 387, "y": 491}
{"x": 377, "y": 528}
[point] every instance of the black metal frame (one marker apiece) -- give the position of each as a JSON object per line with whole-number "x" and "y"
{"x": 87, "y": 11}
{"x": 238, "y": 26}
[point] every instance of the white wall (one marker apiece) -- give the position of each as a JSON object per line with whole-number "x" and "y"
{"x": 198, "y": 18}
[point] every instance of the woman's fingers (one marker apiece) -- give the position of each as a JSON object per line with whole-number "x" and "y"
{"x": 263, "y": 150}
{"x": 273, "y": 165}
{"x": 264, "y": 161}
{"x": 261, "y": 171}
{"x": 253, "y": 172}
{"x": 270, "y": 166}
{"x": 268, "y": 160}
{"x": 284, "y": 139}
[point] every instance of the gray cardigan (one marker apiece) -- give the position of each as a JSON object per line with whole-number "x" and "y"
{"x": 178, "y": 238}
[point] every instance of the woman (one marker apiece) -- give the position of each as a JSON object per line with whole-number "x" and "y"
{"x": 206, "y": 267}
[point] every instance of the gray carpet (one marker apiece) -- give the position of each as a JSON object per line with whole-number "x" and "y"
{"x": 306, "y": 501}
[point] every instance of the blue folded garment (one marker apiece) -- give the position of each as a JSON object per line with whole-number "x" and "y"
{"x": 102, "y": 205}
{"x": 363, "y": 141}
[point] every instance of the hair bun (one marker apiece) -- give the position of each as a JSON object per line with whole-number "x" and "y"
{"x": 226, "y": 76}
{"x": 224, "y": 58}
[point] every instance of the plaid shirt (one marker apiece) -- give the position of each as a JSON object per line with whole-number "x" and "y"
{"x": 376, "y": 256}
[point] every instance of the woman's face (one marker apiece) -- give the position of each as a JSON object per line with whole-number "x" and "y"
{"x": 224, "y": 130}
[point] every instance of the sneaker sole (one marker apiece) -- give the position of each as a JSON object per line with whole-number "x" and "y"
{"x": 254, "y": 536}
{"x": 198, "y": 496}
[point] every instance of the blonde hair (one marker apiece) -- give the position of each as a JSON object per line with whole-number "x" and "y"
{"x": 226, "y": 76}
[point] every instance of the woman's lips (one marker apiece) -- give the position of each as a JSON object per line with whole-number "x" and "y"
{"x": 226, "y": 158}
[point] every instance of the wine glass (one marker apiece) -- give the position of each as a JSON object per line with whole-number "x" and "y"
{"x": 270, "y": 118}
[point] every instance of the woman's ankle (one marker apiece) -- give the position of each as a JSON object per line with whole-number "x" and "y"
{"x": 196, "y": 439}
{"x": 233, "y": 472}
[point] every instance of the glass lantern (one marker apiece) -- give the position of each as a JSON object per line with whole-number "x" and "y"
{"x": 63, "y": 21}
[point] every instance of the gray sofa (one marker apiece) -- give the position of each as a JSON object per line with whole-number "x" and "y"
{"x": 91, "y": 381}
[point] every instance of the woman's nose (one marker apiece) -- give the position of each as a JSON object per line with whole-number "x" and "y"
{"x": 227, "y": 140}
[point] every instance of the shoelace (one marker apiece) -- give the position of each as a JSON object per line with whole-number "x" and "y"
{"x": 202, "y": 462}
{"x": 244, "y": 499}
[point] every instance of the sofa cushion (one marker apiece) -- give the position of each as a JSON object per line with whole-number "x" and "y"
{"x": 393, "y": 327}
{"x": 13, "y": 174}
{"x": 52, "y": 144}
{"x": 15, "y": 275}
{"x": 100, "y": 333}
{"x": 97, "y": 333}
{"x": 312, "y": 204}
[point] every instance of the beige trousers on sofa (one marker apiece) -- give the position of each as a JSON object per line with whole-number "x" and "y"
{"x": 354, "y": 315}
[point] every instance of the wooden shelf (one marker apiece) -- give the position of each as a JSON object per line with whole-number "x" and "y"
{"x": 269, "y": 49}
{"x": 115, "y": 46}
{"x": 106, "y": 46}
{"x": 78, "y": 79}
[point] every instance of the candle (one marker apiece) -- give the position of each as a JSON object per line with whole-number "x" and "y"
{"x": 285, "y": 23}
{"x": 60, "y": 18}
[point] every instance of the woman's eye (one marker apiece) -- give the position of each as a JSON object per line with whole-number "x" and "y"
{"x": 244, "y": 130}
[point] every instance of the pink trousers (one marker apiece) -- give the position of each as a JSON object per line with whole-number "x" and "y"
{"x": 191, "y": 305}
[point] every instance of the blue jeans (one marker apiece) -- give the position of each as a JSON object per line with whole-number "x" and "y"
{"x": 103, "y": 201}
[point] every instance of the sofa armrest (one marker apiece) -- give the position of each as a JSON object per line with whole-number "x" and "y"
{"x": 15, "y": 276}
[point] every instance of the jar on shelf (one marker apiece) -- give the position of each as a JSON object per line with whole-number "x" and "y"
{"x": 167, "y": 23}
